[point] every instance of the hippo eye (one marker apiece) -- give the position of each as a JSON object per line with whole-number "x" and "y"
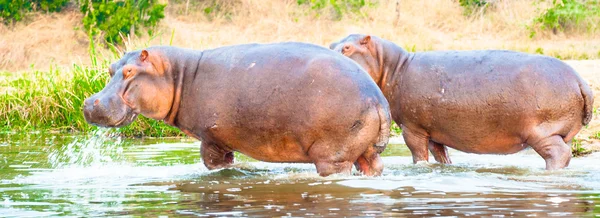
{"x": 346, "y": 48}
{"x": 127, "y": 73}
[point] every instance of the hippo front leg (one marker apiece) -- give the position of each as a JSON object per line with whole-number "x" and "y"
{"x": 215, "y": 157}
{"x": 554, "y": 150}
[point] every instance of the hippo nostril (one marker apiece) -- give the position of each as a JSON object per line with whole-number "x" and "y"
{"x": 96, "y": 102}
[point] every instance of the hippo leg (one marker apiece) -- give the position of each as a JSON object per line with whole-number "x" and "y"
{"x": 440, "y": 152}
{"x": 554, "y": 150}
{"x": 369, "y": 163}
{"x": 325, "y": 168}
{"x": 417, "y": 143}
{"x": 328, "y": 163}
{"x": 215, "y": 157}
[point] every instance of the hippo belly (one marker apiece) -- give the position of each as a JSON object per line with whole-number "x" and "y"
{"x": 490, "y": 143}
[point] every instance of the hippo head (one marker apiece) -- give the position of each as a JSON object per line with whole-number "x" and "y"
{"x": 138, "y": 85}
{"x": 363, "y": 51}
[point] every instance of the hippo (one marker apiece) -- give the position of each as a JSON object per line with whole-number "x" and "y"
{"x": 482, "y": 102}
{"x": 283, "y": 102}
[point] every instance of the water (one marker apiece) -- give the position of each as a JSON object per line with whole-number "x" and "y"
{"x": 74, "y": 175}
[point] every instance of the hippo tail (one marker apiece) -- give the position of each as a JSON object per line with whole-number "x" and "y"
{"x": 588, "y": 102}
{"x": 384, "y": 128}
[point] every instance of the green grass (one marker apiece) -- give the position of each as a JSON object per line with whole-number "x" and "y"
{"x": 577, "y": 150}
{"x": 53, "y": 100}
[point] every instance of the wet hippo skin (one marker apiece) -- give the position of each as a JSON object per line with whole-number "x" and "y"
{"x": 485, "y": 102}
{"x": 286, "y": 102}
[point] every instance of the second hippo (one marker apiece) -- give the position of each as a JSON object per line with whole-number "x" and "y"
{"x": 484, "y": 102}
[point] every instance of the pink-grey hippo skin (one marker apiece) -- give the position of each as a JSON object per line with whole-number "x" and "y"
{"x": 285, "y": 102}
{"x": 483, "y": 102}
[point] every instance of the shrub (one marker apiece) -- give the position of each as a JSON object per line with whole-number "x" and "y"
{"x": 13, "y": 10}
{"x": 114, "y": 19}
{"x": 577, "y": 150}
{"x": 471, "y": 7}
{"x": 338, "y": 7}
{"x": 49, "y": 5}
{"x": 568, "y": 15}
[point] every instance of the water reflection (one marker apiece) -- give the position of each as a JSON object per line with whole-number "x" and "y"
{"x": 46, "y": 175}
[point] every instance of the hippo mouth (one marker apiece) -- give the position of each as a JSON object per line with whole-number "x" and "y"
{"x": 125, "y": 120}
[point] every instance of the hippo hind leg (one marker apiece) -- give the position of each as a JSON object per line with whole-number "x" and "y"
{"x": 369, "y": 163}
{"x": 439, "y": 152}
{"x": 554, "y": 150}
{"x": 215, "y": 157}
{"x": 328, "y": 163}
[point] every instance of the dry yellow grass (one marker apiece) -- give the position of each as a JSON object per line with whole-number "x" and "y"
{"x": 42, "y": 41}
{"x": 423, "y": 25}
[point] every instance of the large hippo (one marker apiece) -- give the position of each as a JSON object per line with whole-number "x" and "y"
{"x": 285, "y": 102}
{"x": 484, "y": 102}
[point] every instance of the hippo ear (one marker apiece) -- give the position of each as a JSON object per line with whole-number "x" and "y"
{"x": 365, "y": 40}
{"x": 332, "y": 45}
{"x": 143, "y": 55}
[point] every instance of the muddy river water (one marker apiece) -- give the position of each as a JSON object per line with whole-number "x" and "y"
{"x": 94, "y": 175}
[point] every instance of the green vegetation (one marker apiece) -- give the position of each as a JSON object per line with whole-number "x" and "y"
{"x": 53, "y": 100}
{"x": 113, "y": 19}
{"x": 569, "y": 15}
{"x": 337, "y": 7}
{"x": 14, "y": 10}
{"x": 395, "y": 129}
{"x": 472, "y": 7}
{"x": 577, "y": 150}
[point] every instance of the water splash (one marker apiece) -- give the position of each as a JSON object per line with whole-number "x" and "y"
{"x": 92, "y": 150}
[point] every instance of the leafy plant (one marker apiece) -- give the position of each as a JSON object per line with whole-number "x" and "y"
{"x": 114, "y": 19}
{"x": 49, "y": 5}
{"x": 395, "y": 129}
{"x": 577, "y": 150}
{"x": 223, "y": 8}
{"x": 566, "y": 15}
{"x": 473, "y": 6}
{"x": 14, "y": 10}
{"x": 339, "y": 7}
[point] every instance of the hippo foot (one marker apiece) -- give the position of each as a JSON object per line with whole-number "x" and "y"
{"x": 215, "y": 157}
{"x": 369, "y": 163}
{"x": 422, "y": 163}
{"x": 554, "y": 150}
{"x": 328, "y": 168}
{"x": 439, "y": 152}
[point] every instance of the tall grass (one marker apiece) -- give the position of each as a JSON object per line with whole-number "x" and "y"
{"x": 53, "y": 100}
